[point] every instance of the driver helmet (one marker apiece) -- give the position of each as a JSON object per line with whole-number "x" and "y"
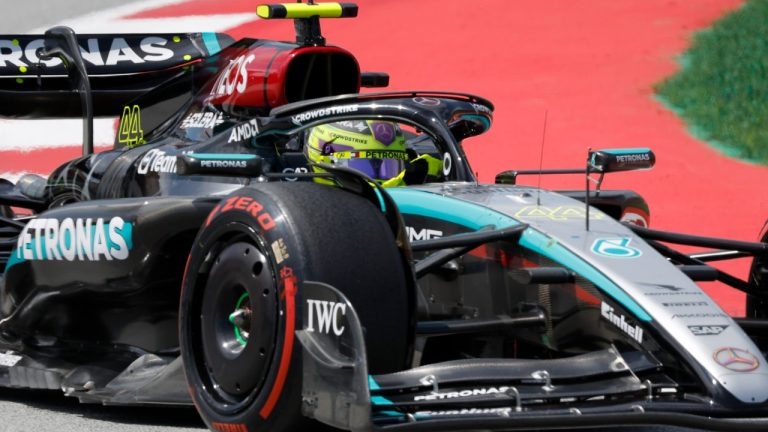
{"x": 374, "y": 147}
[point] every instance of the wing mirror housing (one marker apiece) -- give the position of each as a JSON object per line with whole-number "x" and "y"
{"x": 616, "y": 160}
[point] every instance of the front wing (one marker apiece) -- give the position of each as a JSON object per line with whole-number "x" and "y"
{"x": 590, "y": 390}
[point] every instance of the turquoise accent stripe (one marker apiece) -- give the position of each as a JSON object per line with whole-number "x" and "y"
{"x": 380, "y": 400}
{"x": 211, "y": 43}
{"x": 372, "y": 384}
{"x": 627, "y": 151}
{"x": 452, "y": 210}
{"x": 222, "y": 156}
{"x": 551, "y": 249}
{"x": 377, "y": 400}
{"x": 483, "y": 119}
{"x": 381, "y": 200}
{"x": 474, "y": 216}
{"x": 13, "y": 260}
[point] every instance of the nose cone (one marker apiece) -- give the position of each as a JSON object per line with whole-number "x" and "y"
{"x": 751, "y": 388}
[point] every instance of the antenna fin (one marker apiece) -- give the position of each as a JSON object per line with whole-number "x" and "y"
{"x": 541, "y": 158}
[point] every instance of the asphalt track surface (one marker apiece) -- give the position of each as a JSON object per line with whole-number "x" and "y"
{"x": 597, "y": 92}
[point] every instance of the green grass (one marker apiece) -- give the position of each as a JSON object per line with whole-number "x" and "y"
{"x": 722, "y": 89}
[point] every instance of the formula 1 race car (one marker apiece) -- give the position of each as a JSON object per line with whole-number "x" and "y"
{"x": 277, "y": 248}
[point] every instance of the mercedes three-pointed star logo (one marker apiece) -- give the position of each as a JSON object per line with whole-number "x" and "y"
{"x": 736, "y": 359}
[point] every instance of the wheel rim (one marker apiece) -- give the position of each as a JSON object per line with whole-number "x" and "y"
{"x": 238, "y": 321}
{"x": 241, "y": 319}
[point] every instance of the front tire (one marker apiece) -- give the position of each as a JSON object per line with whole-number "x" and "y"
{"x": 242, "y": 302}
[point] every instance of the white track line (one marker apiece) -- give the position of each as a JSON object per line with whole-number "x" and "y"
{"x": 183, "y": 24}
{"x": 113, "y": 14}
{"x": 113, "y": 21}
{"x": 28, "y": 135}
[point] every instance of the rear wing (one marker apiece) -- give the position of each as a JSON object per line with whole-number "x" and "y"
{"x": 119, "y": 68}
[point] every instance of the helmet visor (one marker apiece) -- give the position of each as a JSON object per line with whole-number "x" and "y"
{"x": 374, "y": 167}
{"x": 377, "y": 169}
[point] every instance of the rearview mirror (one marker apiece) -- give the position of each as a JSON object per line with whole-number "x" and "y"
{"x": 615, "y": 160}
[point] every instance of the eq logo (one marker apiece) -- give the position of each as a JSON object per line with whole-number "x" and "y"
{"x": 615, "y": 248}
{"x": 736, "y": 359}
{"x": 326, "y": 315}
{"x": 707, "y": 330}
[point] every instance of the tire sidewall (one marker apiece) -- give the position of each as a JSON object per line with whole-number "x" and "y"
{"x": 281, "y": 389}
{"x": 306, "y": 232}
